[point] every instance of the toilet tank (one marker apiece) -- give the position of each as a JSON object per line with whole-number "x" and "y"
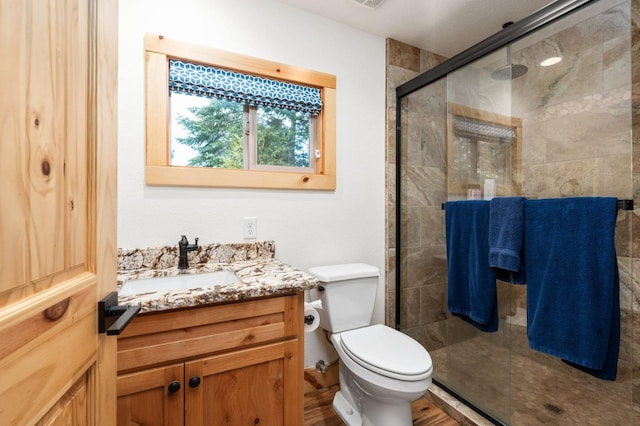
{"x": 348, "y": 294}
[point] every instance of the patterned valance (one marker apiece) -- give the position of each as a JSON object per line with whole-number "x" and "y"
{"x": 202, "y": 80}
{"x": 480, "y": 129}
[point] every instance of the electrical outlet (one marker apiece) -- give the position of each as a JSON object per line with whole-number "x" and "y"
{"x": 249, "y": 228}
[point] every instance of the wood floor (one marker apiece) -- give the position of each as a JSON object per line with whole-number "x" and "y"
{"x": 318, "y": 411}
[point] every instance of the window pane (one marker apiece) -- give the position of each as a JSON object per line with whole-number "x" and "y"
{"x": 283, "y": 137}
{"x": 206, "y": 132}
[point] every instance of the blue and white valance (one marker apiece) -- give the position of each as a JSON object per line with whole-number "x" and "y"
{"x": 202, "y": 80}
{"x": 480, "y": 129}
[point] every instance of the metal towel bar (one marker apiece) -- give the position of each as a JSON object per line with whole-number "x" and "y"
{"x": 622, "y": 205}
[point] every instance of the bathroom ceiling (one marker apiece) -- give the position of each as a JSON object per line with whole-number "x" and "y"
{"x": 445, "y": 27}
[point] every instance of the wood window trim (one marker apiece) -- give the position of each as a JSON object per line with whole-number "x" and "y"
{"x": 158, "y": 171}
{"x": 459, "y": 187}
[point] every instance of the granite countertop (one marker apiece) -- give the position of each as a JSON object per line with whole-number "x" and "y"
{"x": 254, "y": 264}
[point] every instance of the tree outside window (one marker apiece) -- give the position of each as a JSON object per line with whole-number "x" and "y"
{"x": 218, "y": 131}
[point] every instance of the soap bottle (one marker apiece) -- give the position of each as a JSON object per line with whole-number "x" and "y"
{"x": 473, "y": 192}
{"x": 489, "y": 189}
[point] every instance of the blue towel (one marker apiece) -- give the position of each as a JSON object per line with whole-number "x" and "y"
{"x": 573, "y": 303}
{"x": 506, "y": 238}
{"x": 472, "y": 283}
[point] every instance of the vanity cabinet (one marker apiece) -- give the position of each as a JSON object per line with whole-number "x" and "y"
{"x": 232, "y": 364}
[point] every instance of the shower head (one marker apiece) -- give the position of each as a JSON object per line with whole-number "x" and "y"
{"x": 509, "y": 72}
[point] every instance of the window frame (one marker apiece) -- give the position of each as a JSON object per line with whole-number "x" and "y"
{"x": 159, "y": 171}
{"x": 251, "y": 146}
{"x": 459, "y": 187}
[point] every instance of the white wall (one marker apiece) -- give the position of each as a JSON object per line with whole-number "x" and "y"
{"x": 309, "y": 228}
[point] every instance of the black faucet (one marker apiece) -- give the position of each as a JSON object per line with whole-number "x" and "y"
{"x": 185, "y": 247}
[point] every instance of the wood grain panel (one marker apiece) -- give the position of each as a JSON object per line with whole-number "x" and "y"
{"x": 76, "y": 128}
{"x": 47, "y": 365}
{"x": 157, "y": 338}
{"x": 50, "y": 228}
{"x": 231, "y": 178}
{"x": 45, "y": 135}
{"x": 157, "y": 106}
{"x": 293, "y": 311}
{"x": 196, "y": 332}
{"x": 262, "y": 404}
{"x": 251, "y": 386}
{"x": 172, "y": 320}
{"x": 329, "y": 134}
{"x": 283, "y": 395}
{"x": 171, "y": 350}
{"x": 224, "y": 59}
{"x": 243, "y": 358}
{"x": 13, "y": 153}
{"x": 295, "y": 366}
{"x": 44, "y": 166}
{"x": 101, "y": 237}
{"x": 30, "y": 324}
{"x": 150, "y": 378}
{"x": 143, "y": 398}
{"x": 71, "y": 409}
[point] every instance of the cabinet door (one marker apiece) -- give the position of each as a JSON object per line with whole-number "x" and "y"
{"x": 252, "y": 386}
{"x": 152, "y": 397}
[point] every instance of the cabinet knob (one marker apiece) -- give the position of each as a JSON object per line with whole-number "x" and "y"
{"x": 173, "y": 387}
{"x": 194, "y": 382}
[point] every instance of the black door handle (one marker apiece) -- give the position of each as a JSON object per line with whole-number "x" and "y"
{"x": 108, "y": 310}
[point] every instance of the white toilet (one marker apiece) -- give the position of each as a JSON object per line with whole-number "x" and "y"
{"x": 381, "y": 369}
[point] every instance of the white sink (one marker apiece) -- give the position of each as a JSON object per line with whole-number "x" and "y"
{"x": 177, "y": 282}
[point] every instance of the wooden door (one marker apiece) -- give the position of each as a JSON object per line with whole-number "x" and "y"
{"x": 153, "y": 397}
{"x": 246, "y": 387}
{"x": 57, "y": 210}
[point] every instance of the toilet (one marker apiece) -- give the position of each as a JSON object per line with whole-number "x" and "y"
{"x": 381, "y": 369}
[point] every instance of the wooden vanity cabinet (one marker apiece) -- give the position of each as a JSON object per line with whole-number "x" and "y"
{"x": 232, "y": 364}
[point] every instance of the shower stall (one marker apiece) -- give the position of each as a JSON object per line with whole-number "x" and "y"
{"x": 545, "y": 108}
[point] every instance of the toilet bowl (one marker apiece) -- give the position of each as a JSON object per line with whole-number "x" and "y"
{"x": 381, "y": 369}
{"x": 377, "y": 387}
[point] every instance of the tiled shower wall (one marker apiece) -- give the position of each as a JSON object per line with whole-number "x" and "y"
{"x": 560, "y": 171}
{"x": 404, "y": 62}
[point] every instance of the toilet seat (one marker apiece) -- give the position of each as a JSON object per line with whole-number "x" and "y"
{"x": 387, "y": 352}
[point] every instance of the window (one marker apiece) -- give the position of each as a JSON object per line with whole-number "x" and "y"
{"x": 483, "y": 145}
{"x": 219, "y": 133}
{"x": 220, "y": 119}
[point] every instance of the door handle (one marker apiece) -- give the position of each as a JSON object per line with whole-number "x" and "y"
{"x": 112, "y": 318}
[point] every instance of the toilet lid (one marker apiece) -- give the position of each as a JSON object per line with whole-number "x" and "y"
{"x": 387, "y": 352}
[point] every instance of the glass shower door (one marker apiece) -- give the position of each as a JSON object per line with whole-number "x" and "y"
{"x": 517, "y": 122}
{"x": 484, "y": 158}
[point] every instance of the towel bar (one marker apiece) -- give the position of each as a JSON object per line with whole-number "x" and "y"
{"x": 625, "y": 204}
{"x": 622, "y": 205}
